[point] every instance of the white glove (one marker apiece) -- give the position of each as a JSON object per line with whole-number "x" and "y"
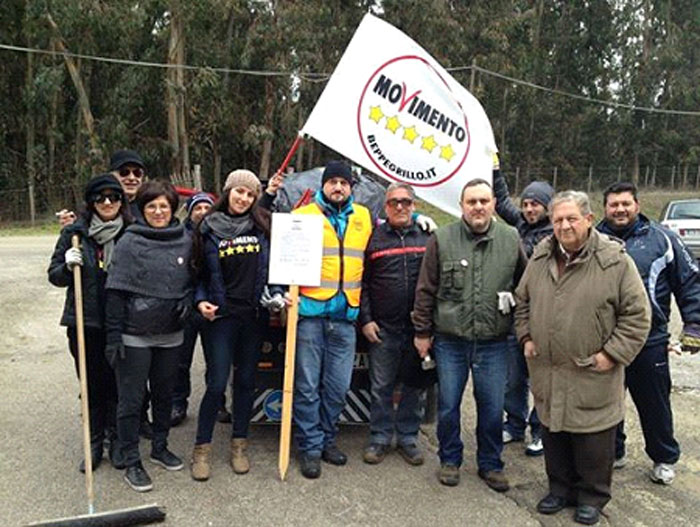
{"x": 505, "y": 301}
{"x": 73, "y": 257}
{"x": 274, "y": 302}
{"x": 426, "y": 223}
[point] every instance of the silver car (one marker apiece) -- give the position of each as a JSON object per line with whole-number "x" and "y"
{"x": 683, "y": 217}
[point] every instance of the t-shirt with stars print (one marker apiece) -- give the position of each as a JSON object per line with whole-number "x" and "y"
{"x": 238, "y": 258}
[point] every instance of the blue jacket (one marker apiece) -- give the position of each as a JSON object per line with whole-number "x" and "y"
{"x": 666, "y": 266}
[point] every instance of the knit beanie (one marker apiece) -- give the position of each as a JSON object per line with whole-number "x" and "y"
{"x": 539, "y": 191}
{"x": 336, "y": 169}
{"x": 200, "y": 197}
{"x": 102, "y": 182}
{"x": 243, "y": 178}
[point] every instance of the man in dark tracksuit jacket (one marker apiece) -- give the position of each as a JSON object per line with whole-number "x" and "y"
{"x": 532, "y": 222}
{"x": 666, "y": 266}
{"x": 392, "y": 262}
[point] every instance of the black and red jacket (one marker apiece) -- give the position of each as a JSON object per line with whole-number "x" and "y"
{"x": 392, "y": 261}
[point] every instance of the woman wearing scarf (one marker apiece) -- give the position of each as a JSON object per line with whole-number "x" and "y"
{"x": 148, "y": 303}
{"x": 232, "y": 247}
{"x": 98, "y": 228}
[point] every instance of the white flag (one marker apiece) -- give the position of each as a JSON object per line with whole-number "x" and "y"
{"x": 391, "y": 108}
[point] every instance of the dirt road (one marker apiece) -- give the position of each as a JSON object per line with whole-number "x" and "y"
{"x": 40, "y": 438}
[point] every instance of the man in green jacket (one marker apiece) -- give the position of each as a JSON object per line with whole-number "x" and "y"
{"x": 462, "y": 310}
{"x": 582, "y": 315}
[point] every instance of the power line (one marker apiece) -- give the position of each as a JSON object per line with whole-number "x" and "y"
{"x": 322, "y": 77}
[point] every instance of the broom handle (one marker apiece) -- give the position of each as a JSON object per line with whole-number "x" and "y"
{"x": 82, "y": 367}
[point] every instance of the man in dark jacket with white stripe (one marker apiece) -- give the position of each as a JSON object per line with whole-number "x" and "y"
{"x": 666, "y": 266}
{"x": 392, "y": 262}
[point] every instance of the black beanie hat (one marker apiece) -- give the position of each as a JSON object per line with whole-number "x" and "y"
{"x": 539, "y": 191}
{"x": 336, "y": 169}
{"x": 102, "y": 182}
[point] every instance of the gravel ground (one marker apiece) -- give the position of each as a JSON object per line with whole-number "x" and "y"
{"x": 40, "y": 437}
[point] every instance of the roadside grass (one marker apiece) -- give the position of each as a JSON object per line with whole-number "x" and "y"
{"x": 44, "y": 226}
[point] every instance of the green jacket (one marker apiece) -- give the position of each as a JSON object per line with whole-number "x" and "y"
{"x": 459, "y": 280}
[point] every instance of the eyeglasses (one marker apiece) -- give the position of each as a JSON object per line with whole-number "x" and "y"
{"x": 112, "y": 197}
{"x": 125, "y": 171}
{"x": 404, "y": 202}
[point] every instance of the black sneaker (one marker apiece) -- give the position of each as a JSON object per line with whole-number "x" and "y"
{"x": 166, "y": 459}
{"x": 177, "y": 415}
{"x": 310, "y": 466}
{"x": 137, "y": 478}
{"x": 333, "y": 455}
{"x": 116, "y": 456}
{"x": 223, "y": 416}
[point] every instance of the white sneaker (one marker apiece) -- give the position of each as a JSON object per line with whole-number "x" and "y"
{"x": 619, "y": 462}
{"x": 507, "y": 438}
{"x": 662, "y": 473}
{"x": 535, "y": 448}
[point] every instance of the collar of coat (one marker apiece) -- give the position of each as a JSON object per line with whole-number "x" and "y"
{"x": 607, "y": 250}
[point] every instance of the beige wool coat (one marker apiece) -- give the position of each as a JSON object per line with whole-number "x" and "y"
{"x": 598, "y": 303}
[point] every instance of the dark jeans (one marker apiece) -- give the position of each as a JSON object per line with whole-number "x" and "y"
{"x": 384, "y": 361}
{"x": 517, "y": 394}
{"x": 229, "y": 341}
{"x": 102, "y": 385}
{"x": 183, "y": 387}
{"x": 649, "y": 381}
{"x": 579, "y": 466}
{"x": 157, "y": 366}
{"x": 487, "y": 362}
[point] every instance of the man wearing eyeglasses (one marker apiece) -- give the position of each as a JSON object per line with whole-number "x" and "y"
{"x": 129, "y": 169}
{"x": 392, "y": 261}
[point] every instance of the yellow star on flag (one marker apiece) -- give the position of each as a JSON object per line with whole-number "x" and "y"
{"x": 393, "y": 124}
{"x": 446, "y": 152}
{"x": 375, "y": 113}
{"x": 410, "y": 134}
{"x": 428, "y": 143}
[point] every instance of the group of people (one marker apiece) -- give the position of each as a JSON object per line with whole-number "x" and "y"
{"x": 553, "y": 304}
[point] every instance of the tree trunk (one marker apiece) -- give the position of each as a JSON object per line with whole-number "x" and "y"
{"x": 171, "y": 97}
{"x": 635, "y": 169}
{"x": 264, "y": 171}
{"x": 30, "y": 135}
{"x": 217, "y": 166}
{"x": 181, "y": 104}
{"x": 83, "y": 100}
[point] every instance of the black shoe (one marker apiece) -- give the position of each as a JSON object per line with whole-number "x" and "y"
{"x": 116, "y": 456}
{"x": 310, "y": 466}
{"x": 166, "y": 459}
{"x": 96, "y": 452}
{"x": 137, "y": 478}
{"x": 587, "y": 514}
{"x": 145, "y": 429}
{"x": 551, "y": 504}
{"x": 177, "y": 415}
{"x": 223, "y": 416}
{"x": 333, "y": 455}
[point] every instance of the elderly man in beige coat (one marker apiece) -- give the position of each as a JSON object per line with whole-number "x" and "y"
{"x": 582, "y": 315}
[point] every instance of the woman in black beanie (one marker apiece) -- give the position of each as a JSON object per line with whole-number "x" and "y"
{"x": 148, "y": 303}
{"x": 101, "y": 224}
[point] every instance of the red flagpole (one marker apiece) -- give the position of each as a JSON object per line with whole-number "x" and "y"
{"x": 292, "y": 151}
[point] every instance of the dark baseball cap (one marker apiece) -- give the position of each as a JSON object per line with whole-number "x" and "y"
{"x": 125, "y": 157}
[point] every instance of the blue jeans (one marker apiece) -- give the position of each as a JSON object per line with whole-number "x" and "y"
{"x": 323, "y": 370}
{"x": 517, "y": 393}
{"x": 488, "y": 363}
{"x": 384, "y": 362}
{"x": 229, "y": 341}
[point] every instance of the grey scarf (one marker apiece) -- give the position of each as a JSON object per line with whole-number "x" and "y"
{"x": 104, "y": 232}
{"x": 225, "y": 226}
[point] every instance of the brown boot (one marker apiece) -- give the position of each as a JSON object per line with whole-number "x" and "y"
{"x": 239, "y": 459}
{"x": 200, "y": 466}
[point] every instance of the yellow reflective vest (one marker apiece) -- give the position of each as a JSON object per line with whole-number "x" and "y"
{"x": 343, "y": 260}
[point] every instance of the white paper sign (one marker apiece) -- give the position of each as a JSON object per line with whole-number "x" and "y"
{"x": 296, "y": 249}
